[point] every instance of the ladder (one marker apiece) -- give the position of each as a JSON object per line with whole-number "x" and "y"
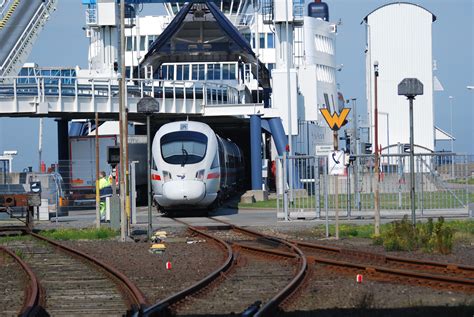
{"x": 22, "y": 48}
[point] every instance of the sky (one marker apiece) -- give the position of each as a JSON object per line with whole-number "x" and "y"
{"x": 63, "y": 43}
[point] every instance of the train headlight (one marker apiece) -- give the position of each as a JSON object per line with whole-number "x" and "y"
{"x": 200, "y": 175}
{"x": 166, "y": 176}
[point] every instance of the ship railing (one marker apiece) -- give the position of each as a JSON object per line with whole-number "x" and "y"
{"x": 42, "y": 87}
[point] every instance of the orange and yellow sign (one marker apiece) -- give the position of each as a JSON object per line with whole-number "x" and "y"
{"x": 336, "y": 120}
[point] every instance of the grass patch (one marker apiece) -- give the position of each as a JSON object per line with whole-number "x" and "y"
{"x": 388, "y": 201}
{"x": 80, "y": 234}
{"x": 6, "y": 239}
{"x": 469, "y": 181}
{"x": 428, "y": 236}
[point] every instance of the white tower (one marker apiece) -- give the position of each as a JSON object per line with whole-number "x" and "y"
{"x": 399, "y": 37}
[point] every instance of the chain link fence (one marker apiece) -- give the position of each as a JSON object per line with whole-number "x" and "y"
{"x": 443, "y": 182}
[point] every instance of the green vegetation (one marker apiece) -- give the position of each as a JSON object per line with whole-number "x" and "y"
{"x": 429, "y": 236}
{"x": 400, "y": 235}
{"x": 20, "y": 254}
{"x": 429, "y": 200}
{"x": 80, "y": 234}
{"x": 469, "y": 181}
{"x": 6, "y": 239}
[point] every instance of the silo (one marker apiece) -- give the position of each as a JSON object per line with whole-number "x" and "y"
{"x": 399, "y": 38}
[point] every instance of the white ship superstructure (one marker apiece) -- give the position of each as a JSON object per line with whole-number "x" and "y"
{"x": 312, "y": 64}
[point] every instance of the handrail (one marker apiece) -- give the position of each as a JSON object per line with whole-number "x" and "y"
{"x": 215, "y": 93}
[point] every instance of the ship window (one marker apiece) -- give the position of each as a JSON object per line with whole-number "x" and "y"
{"x": 151, "y": 39}
{"x": 129, "y": 43}
{"x": 198, "y": 72}
{"x": 179, "y": 72}
{"x": 270, "y": 40}
{"x": 228, "y": 71}
{"x": 182, "y": 72}
{"x": 142, "y": 43}
{"x": 217, "y": 71}
{"x": 183, "y": 147}
{"x": 210, "y": 72}
{"x": 247, "y": 36}
{"x": 167, "y": 72}
{"x": 262, "y": 40}
{"x": 225, "y": 71}
{"x": 232, "y": 71}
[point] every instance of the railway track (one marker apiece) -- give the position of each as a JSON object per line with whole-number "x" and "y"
{"x": 390, "y": 268}
{"x": 245, "y": 283}
{"x": 20, "y": 287}
{"x": 72, "y": 282}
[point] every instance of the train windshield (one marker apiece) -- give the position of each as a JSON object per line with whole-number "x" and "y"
{"x": 183, "y": 147}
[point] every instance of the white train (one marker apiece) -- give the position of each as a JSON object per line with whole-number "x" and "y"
{"x": 193, "y": 167}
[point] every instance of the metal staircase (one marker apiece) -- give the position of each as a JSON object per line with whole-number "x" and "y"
{"x": 22, "y": 48}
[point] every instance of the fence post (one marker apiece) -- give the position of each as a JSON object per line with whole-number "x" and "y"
{"x": 317, "y": 186}
{"x": 284, "y": 187}
{"x": 348, "y": 191}
{"x": 326, "y": 207}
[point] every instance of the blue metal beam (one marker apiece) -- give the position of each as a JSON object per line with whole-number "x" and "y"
{"x": 256, "y": 151}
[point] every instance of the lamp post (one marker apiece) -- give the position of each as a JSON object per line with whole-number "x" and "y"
{"x": 123, "y": 126}
{"x": 411, "y": 87}
{"x": 148, "y": 106}
{"x": 452, "y": 138}
{"x": 376, "y": 149}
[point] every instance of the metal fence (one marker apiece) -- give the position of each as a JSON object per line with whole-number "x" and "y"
{"x": 442, "y": 182}
{"x": 69, "y": 186}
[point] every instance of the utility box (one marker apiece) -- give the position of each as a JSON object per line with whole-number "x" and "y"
{"x": 112, "y": 211}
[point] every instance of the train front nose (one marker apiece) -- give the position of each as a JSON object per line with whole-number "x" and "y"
{"x": 184, "y": 192}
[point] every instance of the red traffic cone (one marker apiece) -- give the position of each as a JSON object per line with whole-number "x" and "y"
{"x": 168, "y": 265}
{"x": 359, "y": 278}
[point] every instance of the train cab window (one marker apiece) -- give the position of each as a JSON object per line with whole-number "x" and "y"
{"x": 183, "y": 147}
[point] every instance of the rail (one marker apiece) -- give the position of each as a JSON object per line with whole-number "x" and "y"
{"x": 161, "y": 306}
{"x": 377, "y": 263}
{"x": 272, "y": 305}
{"x": 135, "y": 296}
{"x": 31, "y": 303}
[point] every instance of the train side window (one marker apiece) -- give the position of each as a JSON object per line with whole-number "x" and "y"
{"x": 215, "y": 161}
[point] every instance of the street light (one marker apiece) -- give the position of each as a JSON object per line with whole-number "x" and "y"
{"x": 411, "y": 87}
{"x": 148, "y": 106}
{"x": 376, "y": 149}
